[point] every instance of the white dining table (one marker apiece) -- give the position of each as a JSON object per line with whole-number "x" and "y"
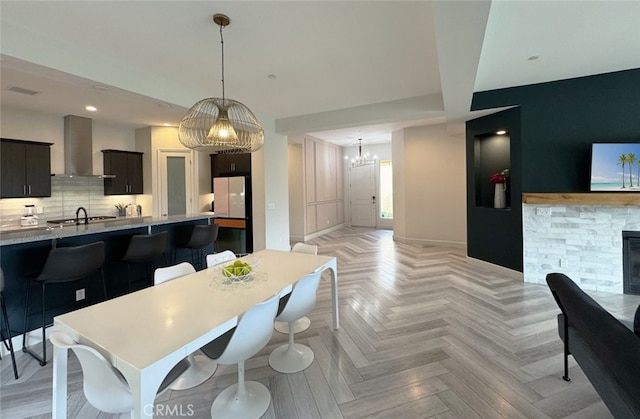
{"x": 145, "y": 333}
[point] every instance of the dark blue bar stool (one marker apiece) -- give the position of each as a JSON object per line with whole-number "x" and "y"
{"x": 144, "y": 248}
{"x": 5, "y": 324}
{"x": 63, "y": 264}
{"x": 202, "y": 235}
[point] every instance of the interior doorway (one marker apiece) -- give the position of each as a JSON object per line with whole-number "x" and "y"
{"x": 175, "y": 174}
{"x": 362, "y": 193}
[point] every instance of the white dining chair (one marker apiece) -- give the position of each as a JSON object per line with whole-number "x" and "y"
{"x": 246, "y": 399}
{"x": 104, "y": 386}
{"x": 201, "y": 367}
{"x": 303, "y": 322}
{"x": 295, "y": 357}
{"x": 220, "y": 257}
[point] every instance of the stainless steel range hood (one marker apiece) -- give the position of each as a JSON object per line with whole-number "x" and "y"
{"x": 78, "y": 148}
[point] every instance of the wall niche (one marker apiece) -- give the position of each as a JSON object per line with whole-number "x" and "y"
{"x": 492, "y": 154}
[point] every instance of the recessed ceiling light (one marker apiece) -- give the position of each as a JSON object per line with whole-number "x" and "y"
{"x": 91, "y": 108}
{"x": 501, "y": 132}
{"x": 271, "y": 76}
{"x": 166, "y": 124}
{"x": 533, "y": 58}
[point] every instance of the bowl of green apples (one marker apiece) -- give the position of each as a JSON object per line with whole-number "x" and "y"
{"x": 238, "y": 271}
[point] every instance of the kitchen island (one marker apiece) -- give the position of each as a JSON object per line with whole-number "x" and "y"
{"x": 23, "y": 253}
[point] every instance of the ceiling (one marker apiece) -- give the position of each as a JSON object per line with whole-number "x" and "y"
{"x": 337, "y": 70}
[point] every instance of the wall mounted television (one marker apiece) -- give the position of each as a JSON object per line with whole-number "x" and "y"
{"x": 615, "y": 167}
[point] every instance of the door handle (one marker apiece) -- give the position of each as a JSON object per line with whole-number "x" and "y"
{"x": 24, "y": 189}
{"x": 29, "y": 190}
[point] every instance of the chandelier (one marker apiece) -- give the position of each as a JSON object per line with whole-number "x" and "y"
{"x": 362, "y": 160}
{"x": 221, "y": 125}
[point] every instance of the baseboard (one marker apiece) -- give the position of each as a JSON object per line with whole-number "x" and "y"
{"x": 427, "y": 242}
{"x": 510, "y": 273}
{"x": 296, "y": 239}
{"x": 34, "y": 339}
{"x": 322, "y": 232}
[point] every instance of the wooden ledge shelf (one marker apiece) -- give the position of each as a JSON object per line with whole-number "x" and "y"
{"x": 613, "y": 199}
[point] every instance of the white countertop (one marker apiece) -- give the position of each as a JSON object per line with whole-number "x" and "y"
{"x": 44, "y": 232}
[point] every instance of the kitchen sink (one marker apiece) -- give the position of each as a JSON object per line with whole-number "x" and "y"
{"x": 96, "y": 219}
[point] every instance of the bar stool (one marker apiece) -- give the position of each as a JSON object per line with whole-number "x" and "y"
{"x": 201, "y": 236}
{"x": 5, "y": 324}
{"x": 143, "y": 248}
{"x": 63, "y": 264}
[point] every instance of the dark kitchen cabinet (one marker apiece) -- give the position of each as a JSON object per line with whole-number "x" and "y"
{"x": 126, "y": 166}
{"x": 26, "y": 169}
{"x": 230, "y": 164}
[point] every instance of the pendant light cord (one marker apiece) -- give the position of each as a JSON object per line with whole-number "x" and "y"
{"x": 222, "y": 44}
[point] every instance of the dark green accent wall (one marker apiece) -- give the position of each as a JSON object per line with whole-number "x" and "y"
{"x": 556, "y": 123}
{"x": 493, "y": 234}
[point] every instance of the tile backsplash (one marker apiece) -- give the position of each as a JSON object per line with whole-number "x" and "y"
{"x": 67, "y": 194}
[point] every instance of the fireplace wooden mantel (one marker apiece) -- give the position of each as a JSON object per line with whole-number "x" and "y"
{"x": 612, "y": 199}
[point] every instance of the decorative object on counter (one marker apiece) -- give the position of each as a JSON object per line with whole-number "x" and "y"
{"x": 362, "y": 160}
{"x": 221, "y": 125}
{"x": 121, "y": 210}
{"x": 29, "y": 218}
{"x": 499, "y": 179}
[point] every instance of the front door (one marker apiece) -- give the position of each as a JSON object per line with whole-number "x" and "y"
{"x": 362, "y": 190}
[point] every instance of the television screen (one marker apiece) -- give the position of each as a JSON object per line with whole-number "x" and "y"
{"x": 615, "y": 167}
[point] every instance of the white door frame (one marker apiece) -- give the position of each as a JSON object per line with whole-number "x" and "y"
{"x": 161, "y": 189}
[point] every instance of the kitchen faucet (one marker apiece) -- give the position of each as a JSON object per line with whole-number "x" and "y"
{"x": 86, "y": 217}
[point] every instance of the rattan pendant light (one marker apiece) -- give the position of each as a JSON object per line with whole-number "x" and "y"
{"x": 221, "y": 125}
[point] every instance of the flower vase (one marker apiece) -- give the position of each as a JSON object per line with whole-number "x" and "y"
{"x": 499, "y": 196}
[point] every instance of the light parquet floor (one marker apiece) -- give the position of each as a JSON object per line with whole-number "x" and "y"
{"x": 424, "y": 334}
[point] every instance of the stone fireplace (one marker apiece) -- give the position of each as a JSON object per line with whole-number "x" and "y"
{"x": 580, "y": 235}
{"x": 631, "y": 262}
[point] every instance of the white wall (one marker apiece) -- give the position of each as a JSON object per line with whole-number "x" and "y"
{"x": 276, "y": 191}
{"x": 430, "y": 202}
{"x": 399, "y": 188}
{"x": 296, "y": 192}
